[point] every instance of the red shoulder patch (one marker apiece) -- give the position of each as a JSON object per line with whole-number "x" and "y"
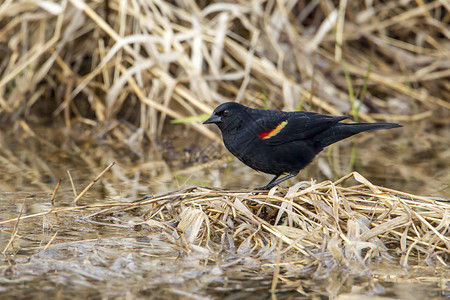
{"x": 273, "y": 132}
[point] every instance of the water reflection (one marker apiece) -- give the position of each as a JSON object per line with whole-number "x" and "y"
{"x": 35, "y": 163}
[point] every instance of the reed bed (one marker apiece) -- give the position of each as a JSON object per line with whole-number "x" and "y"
{"x": 101, "y": 62}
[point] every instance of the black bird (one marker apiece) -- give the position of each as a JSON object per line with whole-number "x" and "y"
{"x": 279, "y": 142}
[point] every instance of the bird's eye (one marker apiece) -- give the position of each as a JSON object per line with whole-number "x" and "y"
{"x": 225, "y": 113}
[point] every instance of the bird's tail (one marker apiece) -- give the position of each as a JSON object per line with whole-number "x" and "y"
{"x": 342, "y": 131}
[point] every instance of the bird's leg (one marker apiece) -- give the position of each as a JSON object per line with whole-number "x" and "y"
{"x": 274, "y": 181}
{"x": 269, "y": 185}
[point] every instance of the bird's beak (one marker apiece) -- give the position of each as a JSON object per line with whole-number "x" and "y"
{"x": 213, "y": 119}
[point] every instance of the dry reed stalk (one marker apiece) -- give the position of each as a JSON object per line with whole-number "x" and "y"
{"x": 16, "y": 228}
{"x": 87, "y": 188}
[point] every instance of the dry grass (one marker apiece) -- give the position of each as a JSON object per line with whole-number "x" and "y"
{"x": 351, "y": 226}
{"x": 144, "y": 61}
{"x": 309, "y": 225}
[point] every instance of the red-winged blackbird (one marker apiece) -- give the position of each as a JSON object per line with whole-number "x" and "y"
{"x": 278, "y": 142}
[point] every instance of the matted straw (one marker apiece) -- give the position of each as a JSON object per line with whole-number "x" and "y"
{"x": 321, "y": 224}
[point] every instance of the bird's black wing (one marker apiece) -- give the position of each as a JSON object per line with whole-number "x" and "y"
{"x": 291, "y": 126}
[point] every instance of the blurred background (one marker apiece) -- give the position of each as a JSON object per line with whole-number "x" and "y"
{"x": 83, "y": 84}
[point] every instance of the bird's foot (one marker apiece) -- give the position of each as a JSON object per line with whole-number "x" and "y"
{"x": 265, "y": 188}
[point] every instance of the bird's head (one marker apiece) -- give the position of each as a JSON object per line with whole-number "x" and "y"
{"x": 225, "y": 114}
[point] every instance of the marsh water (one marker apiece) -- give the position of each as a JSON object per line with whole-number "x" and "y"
{"x": 120, "y": 257}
